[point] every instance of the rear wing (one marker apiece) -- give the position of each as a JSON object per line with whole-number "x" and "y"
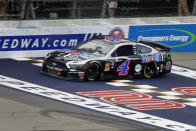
{"x": 158, "y": 46}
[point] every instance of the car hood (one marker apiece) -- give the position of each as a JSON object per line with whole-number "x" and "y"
{"x": 74, "y": 55}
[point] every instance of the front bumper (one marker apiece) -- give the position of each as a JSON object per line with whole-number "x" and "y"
{"x": 59, "y": 70}
{"x": 76, "y": 76}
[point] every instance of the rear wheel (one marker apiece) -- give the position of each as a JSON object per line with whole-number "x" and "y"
{"x": 92, "y": 72}
{"x": 150, "y": 70}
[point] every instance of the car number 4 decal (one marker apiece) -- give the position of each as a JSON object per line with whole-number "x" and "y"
{"x": 123, "y": 69}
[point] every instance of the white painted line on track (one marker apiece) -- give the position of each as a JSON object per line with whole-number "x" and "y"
{"x": 94, "y": 104}
{"x": 124, "y": 80}
{"x": 21, "y": 59}
{"x": 172, "y": 93}
{"x": 192, "y": 99}
{"x": 38, "y": 64}
{"x": 41, "y": 60}
{"x": 116, "y": 84}
{"x": 183, "y": 71}
{"x": 168, "y": 97}
{"x": 142, "y": 90}
{"x": 190, "y": 104}
{"x": 147, "y": 86}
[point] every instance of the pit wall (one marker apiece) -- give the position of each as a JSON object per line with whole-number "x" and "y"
{"x": 37, "y": 38}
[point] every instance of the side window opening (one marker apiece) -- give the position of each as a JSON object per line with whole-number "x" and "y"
{"x": 126, "y": 50}
{"x": 143, "y": 49}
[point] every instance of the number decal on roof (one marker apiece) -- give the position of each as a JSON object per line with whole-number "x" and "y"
{"x": 123, "y": 69}
{"x": 111, "y": 38}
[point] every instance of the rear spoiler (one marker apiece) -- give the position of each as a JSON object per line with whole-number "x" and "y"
{"x": 158, "y": 46}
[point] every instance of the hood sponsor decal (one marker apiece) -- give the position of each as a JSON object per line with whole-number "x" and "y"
{"x": 81, "y": 54}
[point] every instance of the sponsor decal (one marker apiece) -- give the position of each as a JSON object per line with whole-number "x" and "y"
{"x": 54, "y": 68}
{"x": 138, "y": 68}
{"x": 82, "y": 54}
{"x": 123, "y": 69}
{"x": 117, "y": 32}
{"x": 112, "y": 38}
{"x": 42, "y": 42}
{"x": 94, "y": 104}
{"x": 146, "y": 59}
{"x": 155, "y": 58}
{"x": 107, "y": 66}
{"x": 132, "y": 99}
{"x": 185, "y": 90}
{"x": 178, "y": 37}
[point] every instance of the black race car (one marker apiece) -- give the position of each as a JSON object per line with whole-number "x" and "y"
{"x": 108, "y": 57}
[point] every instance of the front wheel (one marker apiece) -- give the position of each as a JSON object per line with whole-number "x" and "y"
{"x": 92, "y": 72}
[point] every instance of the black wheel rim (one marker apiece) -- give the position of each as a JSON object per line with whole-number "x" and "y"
{"x": 92, "y": 72}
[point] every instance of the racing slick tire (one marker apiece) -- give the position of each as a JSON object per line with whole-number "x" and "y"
{"x": 92, "y": 72}
{"x": 150, "y": 70}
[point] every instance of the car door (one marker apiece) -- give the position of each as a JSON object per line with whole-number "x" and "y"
{"x": 121, "y": 56}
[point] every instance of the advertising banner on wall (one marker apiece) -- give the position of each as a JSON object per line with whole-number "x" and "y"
{"x": 37, "y": 42}
{"x": 42, "y": 42}
{"x": 181, "y": 38}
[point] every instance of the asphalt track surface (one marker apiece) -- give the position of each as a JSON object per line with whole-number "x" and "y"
{"x": 24, "y": 111}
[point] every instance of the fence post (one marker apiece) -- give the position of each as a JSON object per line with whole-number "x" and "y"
{"x": 194, "y": 8}
{"x": 74, "y": 5}
{"x": 103, "y": 12}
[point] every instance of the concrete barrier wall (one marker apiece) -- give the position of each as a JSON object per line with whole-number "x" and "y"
{"x": 37, "y": 38}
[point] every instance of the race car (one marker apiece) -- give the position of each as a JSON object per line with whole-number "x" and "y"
{"x": 108, "y": 57}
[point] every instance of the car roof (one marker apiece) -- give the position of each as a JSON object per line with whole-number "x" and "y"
{"x": 116, "y": 40}
{"x": 111, "y": 39}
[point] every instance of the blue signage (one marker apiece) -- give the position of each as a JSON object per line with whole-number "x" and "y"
{"x": 42, "y": 42}
{"x": 181, "y": 38}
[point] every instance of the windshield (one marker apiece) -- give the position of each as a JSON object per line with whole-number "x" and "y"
{"x": 95, "y": 47}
